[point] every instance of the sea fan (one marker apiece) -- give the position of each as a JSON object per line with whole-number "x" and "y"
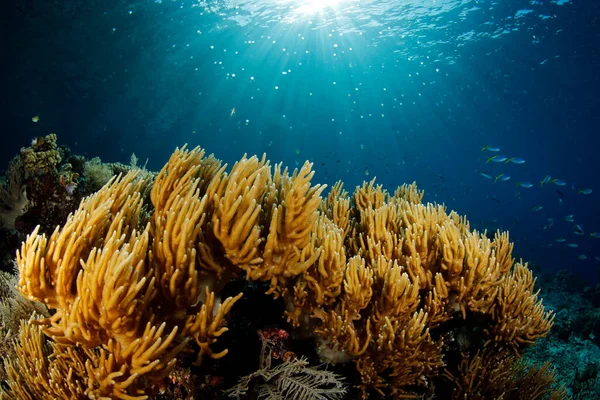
{"x": 292, "y": 379}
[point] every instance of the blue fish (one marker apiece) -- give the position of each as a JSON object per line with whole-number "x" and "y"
{"x": 585, "y": 191}
{"x": 501, "y": 177}
{"x": 485, "y": 175}
{"x": 537, "y": 208}
{"x": 561, "y": 240}
{"x": 595, "y": 235}
{"x": 545, "y": 180}
{"x": 490, "y": 148}
{"x": 558, "y": 182}
{"x": 524, "y": 184}
{"x": 515, "y": 160}
{"x": 573, "y": 245}
{"x": 497, "y": 159}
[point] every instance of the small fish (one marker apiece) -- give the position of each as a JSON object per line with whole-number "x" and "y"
{"x": 582, "y": 257}
{"x": 573, "y": 245}
{"x": 595, "y": 235}
{"x": 485, "y": 175}
{"x": 545, "y": 180}
{"x": 536, "y": 208}
{"x": 515, "y": 160}
{"x": 490, "y": 148}
{"x": 558, "y": 182}
{"x": 578, "y": 227}
{"x": 501, "y": 177}
{"x": 569, "y": 218}
{"x": 524, "y": 184}
{"x": 561, "y": 240}
{"x": 232, "y": 112}
{"x": 578, "y": 233}
{"x": 585, "y": 191}
{"x": 35, "y": 118}
{"x": 497, "y": 159}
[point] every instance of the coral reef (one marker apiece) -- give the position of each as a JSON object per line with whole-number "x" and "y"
{"x": 97, "y": 173}
{"x": 290, "y": 378}
{"x": 41, "y": 157}
{"x": 43, "y": 184}
{"x": 14, "y": 308}
{"x": 13, "y": 196}
{"x": 41, "y": 187}
{"x": 406, "y": 292}
{"x": 572, "y": 344}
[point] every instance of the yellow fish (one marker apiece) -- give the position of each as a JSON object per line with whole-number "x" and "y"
{"x": 36, "y": 118}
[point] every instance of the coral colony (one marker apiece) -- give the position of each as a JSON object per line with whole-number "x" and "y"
{"x": 204, "y": 281}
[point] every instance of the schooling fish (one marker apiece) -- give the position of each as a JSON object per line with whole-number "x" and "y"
{"x": 573, "y": 245}
{"x": 501, "y": 177}
{"x": 545, "y": 180}
{"x": 515, "y": 160}
{"x": 497, "y": 159}
{"x": 585, "y": 191}
{"x": 561, "y": 240}
{"x": 485, "y": 175}
{"x": 595, "y": 235}
{"x": 490, "y": 148}
{"x": 524, "y": 184}
{"x": 569, "y": 218}
{"x": 536, "y": 208}
{"x": 558, "y": 182}
{"x": 582, "y": 257}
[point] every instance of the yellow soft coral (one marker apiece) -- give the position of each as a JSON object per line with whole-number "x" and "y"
{"x": 370, "y": 276}
{"x": 109, "y": 289}
{"x": 413, "y": 267}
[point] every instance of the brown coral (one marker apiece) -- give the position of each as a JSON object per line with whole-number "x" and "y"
{"x": 412, "y": 268}
{"x": 375, "y": 279}
{"x": 41, "y": 157}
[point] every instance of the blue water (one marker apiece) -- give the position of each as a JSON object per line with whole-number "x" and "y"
{"x": 399, "y": 90}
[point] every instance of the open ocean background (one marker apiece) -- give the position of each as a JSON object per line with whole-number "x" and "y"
{"x": 398, "y": 90}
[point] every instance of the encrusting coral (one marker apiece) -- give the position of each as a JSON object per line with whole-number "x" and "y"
{"x": 375, "y": 278}
{"x": 42, "y": 156}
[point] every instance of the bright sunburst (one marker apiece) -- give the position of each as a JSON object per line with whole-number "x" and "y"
{"x": 308, "y": 7}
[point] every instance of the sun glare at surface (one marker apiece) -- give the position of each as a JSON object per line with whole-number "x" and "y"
{"x": 308, "y": 7}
